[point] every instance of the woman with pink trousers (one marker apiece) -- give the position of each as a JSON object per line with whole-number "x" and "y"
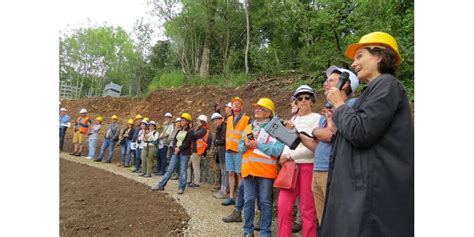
{"x": 304, "y": 120}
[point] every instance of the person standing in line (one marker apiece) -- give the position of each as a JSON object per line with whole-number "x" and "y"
{"x": 80, "y": 131}
{"x": 199, "y": 145}
{"x": 125, "y": 143}
{"x": 182, "y": 151}
{"x": 219, "y": 142}
{"x": 150, "y": 141}
{"x": 93, "y": 134}
{"x": 111, "y": 137}
{"x": 64, "y": 123}
{"x": 165, "y": 139}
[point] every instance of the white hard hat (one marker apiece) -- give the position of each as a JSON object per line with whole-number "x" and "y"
{"x": 216, "y": 116}
{"x": 152, "y": 123}
{"x": 83, "y": 111}
{"x": 168, "y": 115}
{"x": 203, "y": 117}
{"x": 228, "y": 104}
{"x": 63, "y": 109}
{"x": 304, "y": 89}
{"x": 178, "y": 119}
{"x": 352, "y": 77}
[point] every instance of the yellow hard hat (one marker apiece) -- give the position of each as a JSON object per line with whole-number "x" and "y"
{"x": 146, "y": 119}
{"x": 114, "y": 116}
{"x": 130, "y": 121}
{"x": 266, "y": 103}
{"x": 139, "y": 116}
{"x": 100, "y": 119}
{"x": 187, "y": 116}
{"x": 374, "y": 38}
{"x": 238, "y": 99}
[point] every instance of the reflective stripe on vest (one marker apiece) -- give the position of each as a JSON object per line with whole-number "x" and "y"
{"x": 201, "y": 143}
{"x": 234, "y": 134}
{"x": 257, "y": 163}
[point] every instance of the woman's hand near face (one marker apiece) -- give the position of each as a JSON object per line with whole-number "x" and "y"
{"x": 336, "y": 97}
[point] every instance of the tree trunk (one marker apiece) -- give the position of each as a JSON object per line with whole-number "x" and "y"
{"x": 248, "y": 37}
{"x": 204, "y": 69}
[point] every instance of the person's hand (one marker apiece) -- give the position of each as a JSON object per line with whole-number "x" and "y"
{"x": 335, "y": 97}
{"x": 176, "y": 150}
{"x": 331, "y": 125}
{"x": 289, "y": 124}
{"x": 251, "y": 144}
{"x": 327, "y": 113}
{"x": 284, "y": 158}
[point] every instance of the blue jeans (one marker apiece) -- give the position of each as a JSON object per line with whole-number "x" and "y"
{"x": 92, "y": 146}
{"x": 183, "y": 165}
{"x": 161, "y": 160}
{"x": 239, "y": 204}
{"x": 264, "y": 188}
{"x": 171, "y": 149}
{"x": 108, "y": 143}
{"x": 62, "y": 133}
{"x": 138, "y": 158}
{"x": 126, "y": 156}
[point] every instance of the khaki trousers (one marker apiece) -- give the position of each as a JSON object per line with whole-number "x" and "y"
{"x": 320, "y": 179}
{"x": 195, "y": 163}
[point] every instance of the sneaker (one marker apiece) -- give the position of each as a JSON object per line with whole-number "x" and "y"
{"x": 174, "y": 177}
{"x": 295, "y": 228}
{"x": 235, "y": 216}
{"x": 180, "y": 191}
{"x": 72, "y": 153}
{"x": 77, "y": 154}
{"x": 141, "y": 174}
{"x": 229, "y": 201}
{"x": 158, "y": 188}
{"x": 219, "y": 195}
{"x": 147, "y": 176}
{"x": 108, "y": 161}
{"x": 97, "y": 160}
{"x": 215, "y": 189}
{"x": 132, "y": 168}
{"x": 192, "y": 185}
{"x": 248, "y": 235}
{"x": 87, "y": 158}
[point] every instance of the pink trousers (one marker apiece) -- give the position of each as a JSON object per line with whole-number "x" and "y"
{"x": 286, "y": 201}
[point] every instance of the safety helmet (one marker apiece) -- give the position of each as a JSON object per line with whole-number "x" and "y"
{"x": 187, "y": 116}
{"x": 146, "y": 119}
{"x": 374, "y": 38}
{"x": 100, "y": 119}
{"x": 266, "y": 103}
{"x": 130, "y": 121}
{"x": 83, "y": 111}
{"x": 216, "y": 116}
{"x": 352, "y": 76}
{"x": 168, "y": 115}
{"x": 152, "y": 123}
{"x": 114, "y": 117}
{"x": 144, "y": 122}
{"x": 177, "y": 120}
{"x": 238, "y": 99}
{"x": 203, "y": 118}
{"x": 229, "y": 105}
{"x": 63, "y": 110}
{"x": 304, "y": 89}
{"x": 139, "y": 116}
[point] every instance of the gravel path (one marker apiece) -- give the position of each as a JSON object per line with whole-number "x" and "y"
{"x": 205, "y": 211}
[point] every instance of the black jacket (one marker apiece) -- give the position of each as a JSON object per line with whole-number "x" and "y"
{"x": 185, "y": 148}
{"x": 370, "y": 188}
{"x": 220, "y": 134}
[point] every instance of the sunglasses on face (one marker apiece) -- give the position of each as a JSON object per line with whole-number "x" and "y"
{"x": 306, "y": 97}
{"x": 261, "y": 109}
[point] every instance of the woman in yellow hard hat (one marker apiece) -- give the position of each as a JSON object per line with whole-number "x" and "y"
{"x": 372, "y": 169}
{"x": 125, "y": 141}
{"x": 93, "y": 134}
{"x": 182, "y": 151}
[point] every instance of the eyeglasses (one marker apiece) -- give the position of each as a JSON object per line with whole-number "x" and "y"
{"x": 261, "y": 109}
{"x": 306, "y": 97}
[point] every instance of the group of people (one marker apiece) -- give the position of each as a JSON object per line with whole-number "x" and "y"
{"x": 355, "y": 159}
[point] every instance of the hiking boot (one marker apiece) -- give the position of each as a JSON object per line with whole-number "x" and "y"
{"x": 158, "y": 188}
{"x": 248, "y": 234}
{"x": 97, "y": 160}
{"x": 216, "y": 189}
{"x": 72, "y": 153}
{"x": 141, "y": 174}
{"x": 219, "y": 195}
{"x": 235, "y": 216}
{"x": 295, "y": 228}
{"x": 180, "y": 191}
{"x": 77, "y": 154}
{"x": 174, "y": 177}
{"x": 229, "y": 201}
{"x": 108, "y": 161}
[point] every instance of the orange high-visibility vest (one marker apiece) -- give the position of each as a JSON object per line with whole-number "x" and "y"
{"x": 83, "y": 124}
{"x": 234, "y": 135}
{"x": 201, "y": 143}
{"x": 257, "y": 163}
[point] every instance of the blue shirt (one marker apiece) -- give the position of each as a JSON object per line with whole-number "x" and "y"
{"x": 274, "y": 149}
{"x": 323, "y": 150}
{"x": 63, "y": 119}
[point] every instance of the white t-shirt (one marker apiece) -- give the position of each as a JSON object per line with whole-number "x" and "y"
{"x": 307, "y": 123}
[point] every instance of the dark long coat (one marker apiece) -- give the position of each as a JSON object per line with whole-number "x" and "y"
{"x": 370, "y": 186}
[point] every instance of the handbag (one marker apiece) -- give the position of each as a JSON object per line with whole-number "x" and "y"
{"x": 287, "y": 176}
